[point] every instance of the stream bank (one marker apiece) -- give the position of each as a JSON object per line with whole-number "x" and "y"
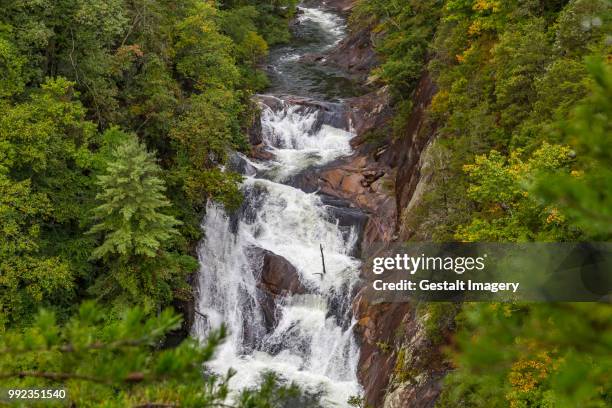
{"x": 323, "y": 172}
{"x": 281, "y": 272}
{"x": 401, "y": 364}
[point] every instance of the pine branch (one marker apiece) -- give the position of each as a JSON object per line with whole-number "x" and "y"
{"x": 135, "y": 377}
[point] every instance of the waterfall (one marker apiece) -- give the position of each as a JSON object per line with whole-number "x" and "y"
{"x": 299, "y": 138}
{"x": 311, "y": 341}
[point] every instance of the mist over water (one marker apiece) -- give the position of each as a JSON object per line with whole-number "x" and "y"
{"x": 312, "y": 342}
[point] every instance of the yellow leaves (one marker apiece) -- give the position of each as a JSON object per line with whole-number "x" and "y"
{"x": 501, "y": 184}
{"x": 577, "y": 173}
{"x": 475, "y": 28}
{"x": 507, "y": 310}
{"x": 461, "y": 58}
{"x": 527, "y": 374}
{"x": 379, "y": 28}
{"x": 554, "y": 216}
{"x": 439, "y": 103}
{"x": 522, "y": 375}
{"x": 468, "y": 168}
{"x": 487, "y": 5}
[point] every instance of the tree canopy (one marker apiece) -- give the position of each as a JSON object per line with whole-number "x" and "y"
{"x": 520, "y": 153}
{"x": 117, "y": 118}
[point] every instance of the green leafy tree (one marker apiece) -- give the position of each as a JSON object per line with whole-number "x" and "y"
{"x": 204, "y": 55}
{"x": 270, "y": 18}
{"x": 251, "y": 49}
{"x": 549, "y": 355}
{"x": 408, "y": 26}
{"x": 73, "y": 39}
{"x": 204, "y": 135}
{"x": 11, "y": 65}
{"x": 72, "y": 73}
{"x": 45, "y": 160}
{"x": 520, "y": 55}
{"x": 48, "y": 139}
{"x": 507, "y": 210}
{"x": 28, "y": 278}
{"x": 506, "y": 72}
{"x": 135, "y": 232}
{"x": 546, "y": 355}
{"x": 583, "y": 25}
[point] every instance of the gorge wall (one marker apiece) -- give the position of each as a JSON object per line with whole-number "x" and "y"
{"x": 401, "y": 363}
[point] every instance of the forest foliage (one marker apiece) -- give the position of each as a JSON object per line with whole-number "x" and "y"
{"x": 116, "y": 122}
{"x": 116, "y": 119}
{"x": 521, "y": 152}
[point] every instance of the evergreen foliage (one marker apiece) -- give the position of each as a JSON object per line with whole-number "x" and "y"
{"x": 122, "y": 362}
{"x": 117, "y": 117}
{"x": 585, "y": 195}
{"x": 86, "y": 89}
{"x": 131, "y": 196}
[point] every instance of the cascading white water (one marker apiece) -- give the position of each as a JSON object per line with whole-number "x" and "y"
{"x": 316, "y": 351}
{"x": 292, "y": 134}
{"x": 332, "y": 25}
{"x": 312, "y": 342}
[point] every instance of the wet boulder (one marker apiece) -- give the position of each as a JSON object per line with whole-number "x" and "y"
{"x": 270, "y": 101}
{"x": 255, "y": 131}
{"x": 238, "y": 163}
{"x": 278, "y": 277}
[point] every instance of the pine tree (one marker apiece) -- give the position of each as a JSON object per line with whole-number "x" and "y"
{"x": 586, "y": 194}
{"x": 138, "y": 262}
{"x": 132, "y": 197}
{"x": 99, "y": 362}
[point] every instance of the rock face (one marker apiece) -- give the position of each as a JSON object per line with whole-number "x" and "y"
{"x": 255, "y": 132}
{"x": 277, "y": 278}
{"x": 255, "y": 135}
{"x": 400, "y": 365}
{"x": 369, "y": 113}
{"x": 375, "y": 327}
{"x": 342, "y": 6}
{"x": 408, "y": 372}
{"x": 355, "y": 54}
{"x": 408, "y": 151}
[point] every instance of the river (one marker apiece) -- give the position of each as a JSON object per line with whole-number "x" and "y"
{"x": 311, "y": 342}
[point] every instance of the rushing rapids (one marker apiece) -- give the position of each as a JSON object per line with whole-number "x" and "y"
{"x": 310, "y": 340}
